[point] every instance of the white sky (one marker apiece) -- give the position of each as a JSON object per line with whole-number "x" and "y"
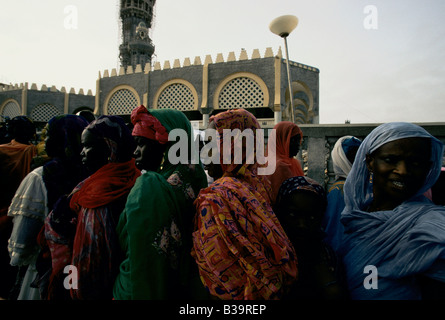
{"x": 393, "y": 73}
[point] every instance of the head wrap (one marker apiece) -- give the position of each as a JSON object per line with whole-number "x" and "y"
{"x": 286, "y": 166}
{"x": 116, "y": 135}
{"x": 236, "y": 119}
{"x": 301, "y": 183}
{"x": 65, "y": 169}
{"x": 401, "y": 242}
{"x": 67, "y": 129}
{"x": 340, "y": 161}
{"x": 285, "y": 130}
{"x": 359, "y": 188}
{"x": 148, "y": 126}
{"x": 22, "y": 128}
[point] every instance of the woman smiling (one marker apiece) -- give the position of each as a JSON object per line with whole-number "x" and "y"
{"x": 389, "y": 223}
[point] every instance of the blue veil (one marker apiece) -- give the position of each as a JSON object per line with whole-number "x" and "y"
{"x": 400, "y": 243}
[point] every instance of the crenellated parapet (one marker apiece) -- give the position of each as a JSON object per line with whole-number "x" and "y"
{"x": 198, "y": 61}
{"x": 13, "y": 87}
{"x": 43, "y": 88}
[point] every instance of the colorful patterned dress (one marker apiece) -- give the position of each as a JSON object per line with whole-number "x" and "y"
{"x": 239, "y": 245}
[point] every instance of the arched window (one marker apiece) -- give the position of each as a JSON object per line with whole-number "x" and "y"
{"x": 122, "y": 102}
{"x": 10, "y": 109}
{"x": 242, "y": 90}
{"x": 177, "y": 94}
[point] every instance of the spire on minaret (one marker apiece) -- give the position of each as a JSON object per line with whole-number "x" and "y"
{"x": 137, "y": 47}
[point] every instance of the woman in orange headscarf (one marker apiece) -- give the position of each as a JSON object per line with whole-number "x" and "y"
{"x": 239, "y": 245}
{"x": 287, "y": 140}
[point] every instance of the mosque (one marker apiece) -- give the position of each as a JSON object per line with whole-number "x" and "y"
{"x": 199, "y": 87}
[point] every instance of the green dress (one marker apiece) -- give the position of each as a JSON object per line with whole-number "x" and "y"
{"x": 156, "y": 225}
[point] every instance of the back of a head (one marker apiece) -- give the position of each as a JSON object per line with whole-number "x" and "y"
{"x": 88, "y": 115}
{"x": 22, "y": 129}
{"x": 235, "y": 119}
{"x": 64, "y": 136}
{"x": 242, "y": 143}
{"x": 301, "y": 184}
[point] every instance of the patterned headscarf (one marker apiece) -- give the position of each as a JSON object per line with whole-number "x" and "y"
{"x": 301, "y": 183}
{"x": 236, "y": 119}
{"x": 148, "y": 126}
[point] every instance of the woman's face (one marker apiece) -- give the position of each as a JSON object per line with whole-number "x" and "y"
{"x": 399, "y": 170}
{"x": 148, "y": 154}
{"x": 95, "y": 151}
{"x": 300, "y": 213}
{"x": 294, "y": 145}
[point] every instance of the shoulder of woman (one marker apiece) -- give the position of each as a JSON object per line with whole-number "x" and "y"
{"x": 150, "y": 191}
{"x": 429, "y": 220}
{"x": 149, "y": 180}
{"x": 432, "y": 214}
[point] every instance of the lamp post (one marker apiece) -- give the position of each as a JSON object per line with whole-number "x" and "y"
{"x": 283, "y": 26}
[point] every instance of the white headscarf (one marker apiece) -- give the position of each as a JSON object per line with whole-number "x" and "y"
{"x": 341, "y": 163}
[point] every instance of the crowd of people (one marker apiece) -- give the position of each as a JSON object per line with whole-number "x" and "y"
{"x": 98, "y": 210}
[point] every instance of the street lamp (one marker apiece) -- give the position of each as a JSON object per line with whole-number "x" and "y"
{"x": 283, "y": 26}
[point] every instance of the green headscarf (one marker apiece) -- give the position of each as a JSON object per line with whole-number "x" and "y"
{"x": 155, "y": 227}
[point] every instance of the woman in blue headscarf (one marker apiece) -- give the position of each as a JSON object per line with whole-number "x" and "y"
{"x": 394, "y": 240}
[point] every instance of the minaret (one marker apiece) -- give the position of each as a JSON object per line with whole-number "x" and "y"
{"x": 136, "y": 17}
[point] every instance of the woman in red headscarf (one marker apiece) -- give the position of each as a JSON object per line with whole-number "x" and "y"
{"x": 287, "y": 141}
{"x": 81, "y": 229}
{"x": 155, "y": 227}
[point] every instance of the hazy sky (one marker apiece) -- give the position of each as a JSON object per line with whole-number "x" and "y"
{"x": 379, "y": 65}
